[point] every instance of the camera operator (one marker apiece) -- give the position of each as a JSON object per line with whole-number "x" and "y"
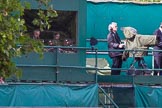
{"x": 158, "y": 55}
{"x": 114, "y": 43}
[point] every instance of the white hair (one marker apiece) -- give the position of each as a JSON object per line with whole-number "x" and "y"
{"x": 113, "y": 24}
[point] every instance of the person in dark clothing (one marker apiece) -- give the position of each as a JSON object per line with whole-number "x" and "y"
{"x": 114, "y": 43}
{"x": 57, "y": 39}
{"x": 158, "y": 55}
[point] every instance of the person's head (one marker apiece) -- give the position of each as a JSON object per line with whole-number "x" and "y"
{"x": 36, "y": 33}
{"x": 161, "y": 25}
{"x": 113, "y": 27}
{"x": 57, "y": 36}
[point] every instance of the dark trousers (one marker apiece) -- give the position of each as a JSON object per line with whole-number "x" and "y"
{"x": 158, "y": 64}
{"x": 117, "y": 63}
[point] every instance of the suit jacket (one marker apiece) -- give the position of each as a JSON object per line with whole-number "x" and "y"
{"x": 113, "y": 42}
{"x": 158, "y": 34}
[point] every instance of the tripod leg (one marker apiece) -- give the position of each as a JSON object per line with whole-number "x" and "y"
{"x": 139, "y": 72}
{"x": 144, "y": 66}
{"x": 131, "y": 70}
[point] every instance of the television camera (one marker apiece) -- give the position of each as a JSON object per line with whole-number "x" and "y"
{"x": 136, "y": 46}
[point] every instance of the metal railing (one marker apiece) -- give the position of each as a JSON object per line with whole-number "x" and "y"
{"x": 95, "y": 52}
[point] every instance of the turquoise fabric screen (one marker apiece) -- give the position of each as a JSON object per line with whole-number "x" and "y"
{"x": 146, "y": 96}
{"x": 143, "y": 17}
{"x": 49, "y": 95}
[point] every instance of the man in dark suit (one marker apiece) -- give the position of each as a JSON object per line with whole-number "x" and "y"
{"x": 114, "y": 43}
{"x": 158, "y": 55}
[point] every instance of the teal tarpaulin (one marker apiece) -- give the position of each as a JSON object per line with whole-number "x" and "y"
{"x": 49, "y": 95}
{"x": 142, "y": 17}
{"x": 146, "y": 96}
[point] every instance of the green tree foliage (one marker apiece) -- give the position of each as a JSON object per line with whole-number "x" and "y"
{"x": 44, "y": 16}
{"x": 14, "y": 41}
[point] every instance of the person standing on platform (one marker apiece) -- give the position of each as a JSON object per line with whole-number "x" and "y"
{"x": 114, "y": 43}
{"x": 158, "y": 55}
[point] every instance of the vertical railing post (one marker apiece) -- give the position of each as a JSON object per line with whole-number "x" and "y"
{"x": 57, "y": 50}
{"x": 96, "y": 65}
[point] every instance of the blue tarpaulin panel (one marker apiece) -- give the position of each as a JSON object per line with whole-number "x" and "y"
{"x": 146, "y": 96}
{"x": 49, "y": 95}
{"x": 143, "y": 17}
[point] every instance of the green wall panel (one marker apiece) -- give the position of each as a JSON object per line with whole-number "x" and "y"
{"x": 47, "y": 68}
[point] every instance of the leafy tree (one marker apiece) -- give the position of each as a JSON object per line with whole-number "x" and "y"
{"x": 45, "y": 17}
{"x": 14, "y": 40}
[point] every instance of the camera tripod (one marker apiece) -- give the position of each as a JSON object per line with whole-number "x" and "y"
{"x": 141, "y": 65}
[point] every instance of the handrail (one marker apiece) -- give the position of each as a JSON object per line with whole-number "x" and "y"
{"x": 79, "y": 67}
{"x": 95, "y": 51}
